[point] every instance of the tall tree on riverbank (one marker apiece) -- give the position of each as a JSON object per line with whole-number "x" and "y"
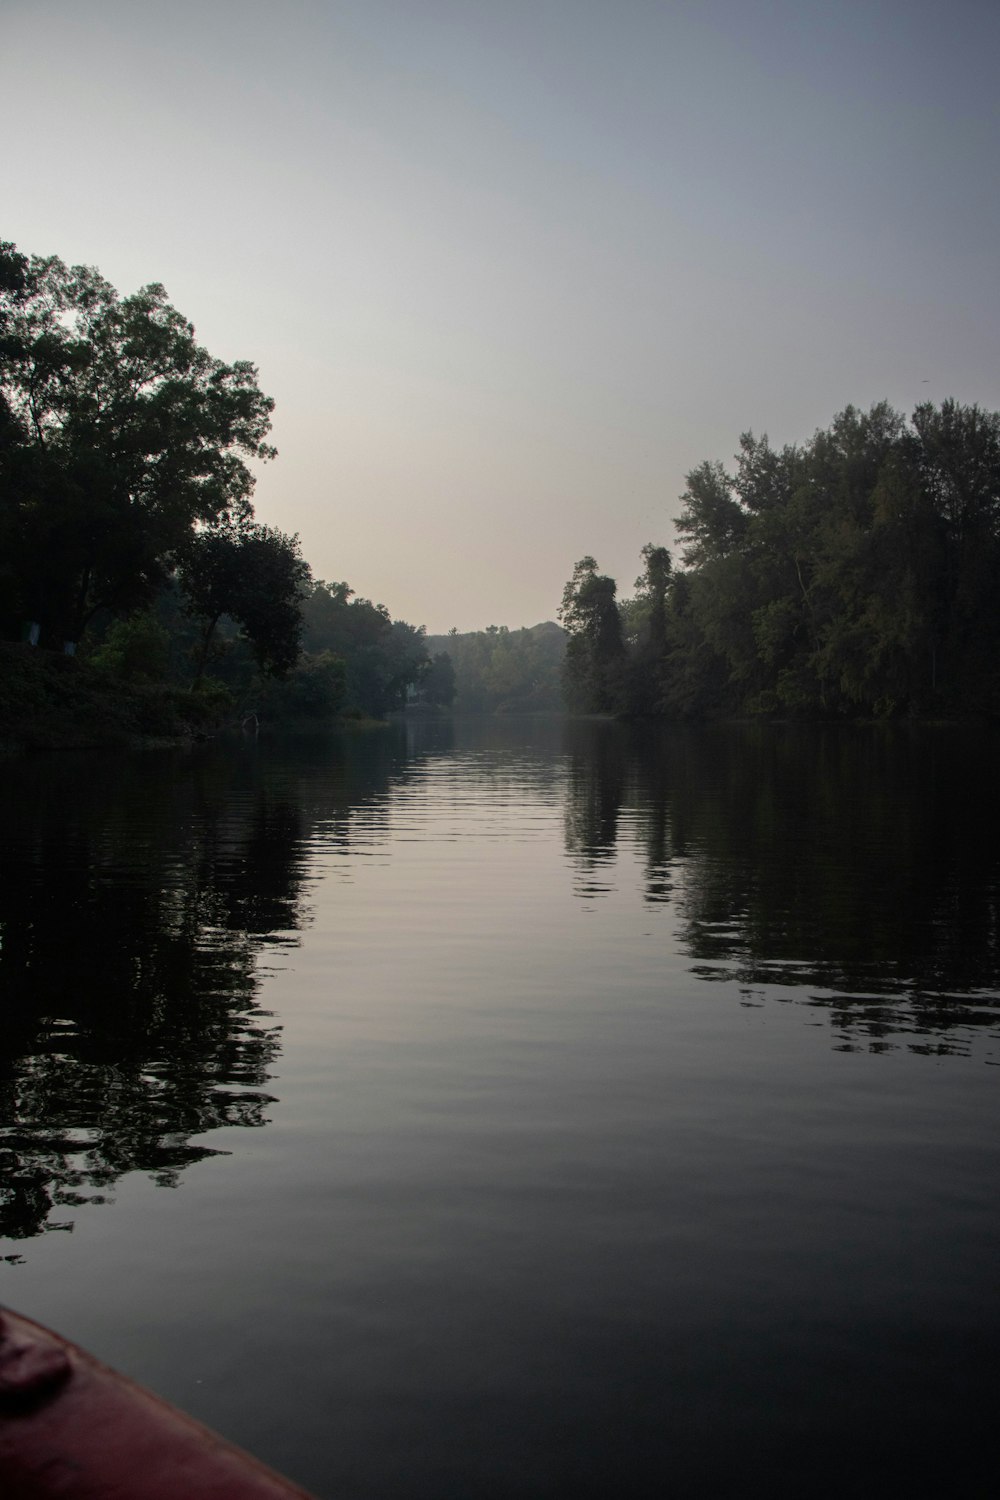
{"x": 119, "y": 434}
{"x": 595, "y": 649}
{"x": 256, "y": 576}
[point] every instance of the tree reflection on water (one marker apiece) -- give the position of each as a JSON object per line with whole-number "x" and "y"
{"x": 136, "y": 895}
{"x": 861, "y": 863}
{"x": 127, "y": 968}
{"x": 855, "y": 871}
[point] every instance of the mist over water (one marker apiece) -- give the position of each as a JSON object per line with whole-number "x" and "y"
{"x": 520, "y": 1107}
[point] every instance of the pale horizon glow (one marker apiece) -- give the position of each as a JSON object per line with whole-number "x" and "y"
{"x": 510, "y": 271}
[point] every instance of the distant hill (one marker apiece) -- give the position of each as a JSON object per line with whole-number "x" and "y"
{"x": 506, "y": 671}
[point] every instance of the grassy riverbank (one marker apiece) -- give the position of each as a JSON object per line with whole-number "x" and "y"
{"x": 54, "y": 702}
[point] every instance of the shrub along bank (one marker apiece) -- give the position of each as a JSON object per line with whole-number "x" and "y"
{"x": 51, "y": 702}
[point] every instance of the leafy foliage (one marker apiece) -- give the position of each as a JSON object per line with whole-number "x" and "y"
{"x": 119, "y": 434}
{"x": 437, "y": 686}
{"x": 856, "y": 574}
{"x": 126, "y": 518}
{"x": 256, "y": 576}
{"x": 136, "y": 649}
{"x": 505, "y": 671}
{"x": 595, "y": 649}
{"x": 382, "y": 656}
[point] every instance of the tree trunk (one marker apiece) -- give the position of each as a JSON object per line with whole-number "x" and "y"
{"x": 206, "y": 641}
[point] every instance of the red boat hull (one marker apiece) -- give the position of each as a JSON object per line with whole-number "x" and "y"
{"x": 71, "y": 1427}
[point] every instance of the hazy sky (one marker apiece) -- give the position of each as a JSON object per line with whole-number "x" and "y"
{"x": 510, "y": 270}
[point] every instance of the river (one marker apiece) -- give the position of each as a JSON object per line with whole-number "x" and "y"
{"x": 520, "y": 1108}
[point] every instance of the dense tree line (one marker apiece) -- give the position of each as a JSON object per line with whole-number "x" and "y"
{"x": 126, "y": 524}
{"x": 384, "y": 660}
{"x": 854, "y": 575}
{"x": 497, "y": 670}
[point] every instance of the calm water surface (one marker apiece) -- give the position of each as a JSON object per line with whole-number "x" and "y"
{"x": 520, "y": 1109}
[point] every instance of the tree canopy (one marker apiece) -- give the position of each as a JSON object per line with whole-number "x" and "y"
{"x": 856, "y": 574}
{"x": 255, "y": 575}
{"x": 383, "y": 657}
{"x": 119, "y": 434}
{"x": 595, "y": 647}
{"x": 127, "y": 458}
{"x": 498, "y": 670}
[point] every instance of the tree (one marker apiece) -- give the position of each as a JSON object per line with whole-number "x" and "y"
{"x": 712, "y": 523}
{"x": 595, "y": 651}
{"x": 651, "y": 587}
{"x": 118, "y": 434}
{"x": 383, "y": 656}
{"x": 312, "y": 694}
{"x": 258, "y": 577}
{"x": 505, "y": 671}
{"x": 956, "y": 453}
{"x": 438, "y": 682}
{"x": 646, "y": 614}
{"x": 137, "y": 649}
